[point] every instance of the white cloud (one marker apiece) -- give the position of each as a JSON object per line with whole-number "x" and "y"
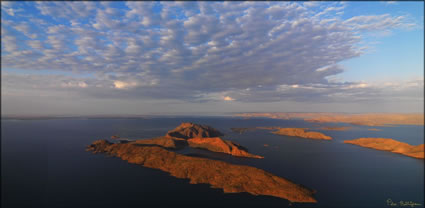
{"x": 228, "y": 98}
{"x": 311, "y": 4}
{"x": 25, "y": 29}
{"x": 6, "y": 6}
{"x": 124, "y": 85}
{"x": 390, "y": 2}
{"x": 194, "y": 51}
{"x": 80, "y": 84}
{"x": 66, "y": 9}
{"x": 379, "y": 22}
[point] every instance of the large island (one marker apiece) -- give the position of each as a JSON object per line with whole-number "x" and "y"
{"x": 157, "y": 153}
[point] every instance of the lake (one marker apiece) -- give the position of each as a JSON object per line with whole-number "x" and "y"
{"x": 44, "y": 164}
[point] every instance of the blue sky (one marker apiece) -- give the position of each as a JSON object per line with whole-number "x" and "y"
{"x": 212, "y": 57}
{"x": 396, "y": 55}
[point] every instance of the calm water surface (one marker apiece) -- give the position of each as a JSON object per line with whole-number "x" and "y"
{"x": 44, "y": 164}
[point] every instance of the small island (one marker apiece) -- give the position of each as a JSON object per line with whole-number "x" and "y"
{"x": 390, "y": 145}
{"x": 336, "y": 128}
{"x": 115, "y": 137}
{"x": 156, "y": 153}
{"x": 296, "y": 132}
{"x": 301, "y": 132}
{"x": 374, "y": 129}
{"x": 242, "y": 130}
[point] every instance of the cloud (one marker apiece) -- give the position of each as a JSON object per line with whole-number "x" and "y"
{"x": 81, "y": 84}
{"x": 124, "y": 85}
{"x": 228, "y": 98}
{"x": 311, "y": 4}
{"x": 191, "y": 51}
{"x": 66, "y": 9}
{"x": 25, "y": 29}
{"x": 7, "y": 7}
{"x": 346, "y": 92}
{"x": 390, "y": 2}
{"x": 378, "y": 22}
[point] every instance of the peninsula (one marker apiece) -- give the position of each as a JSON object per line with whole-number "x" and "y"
{"x": 390, "y": 145}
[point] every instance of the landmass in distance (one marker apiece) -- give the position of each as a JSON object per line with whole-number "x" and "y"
{"x": 367, "y": 119}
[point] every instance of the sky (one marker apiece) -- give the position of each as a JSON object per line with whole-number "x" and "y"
{"x": 202, "y": 58}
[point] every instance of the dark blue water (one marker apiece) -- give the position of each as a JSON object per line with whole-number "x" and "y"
{"x": 44, "y": 164}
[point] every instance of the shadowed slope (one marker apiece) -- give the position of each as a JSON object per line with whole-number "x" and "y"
{"x": 231, "y": 178}
{"x": 167, "y": 142}
{"x": 191, "y": 130}
{"x": 390, "y": 145}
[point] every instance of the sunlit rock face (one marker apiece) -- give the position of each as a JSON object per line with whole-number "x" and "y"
{"x": 390, "y": 145}
{"x": 229, "y": 177}
{"x": 217, "y": 144}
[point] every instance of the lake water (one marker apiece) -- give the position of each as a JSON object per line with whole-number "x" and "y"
{"x": 44, "y": 164}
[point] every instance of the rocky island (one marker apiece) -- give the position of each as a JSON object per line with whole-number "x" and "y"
{"x": 297, "y": 132}
{"x": 156, "y": 153}
{"x": 301, "y": 132}
{"x": 198, "y": 136}
{"x": 390, "y": 145}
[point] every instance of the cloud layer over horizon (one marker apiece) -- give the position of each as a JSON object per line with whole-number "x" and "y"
{"x": 194, "y": 52}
